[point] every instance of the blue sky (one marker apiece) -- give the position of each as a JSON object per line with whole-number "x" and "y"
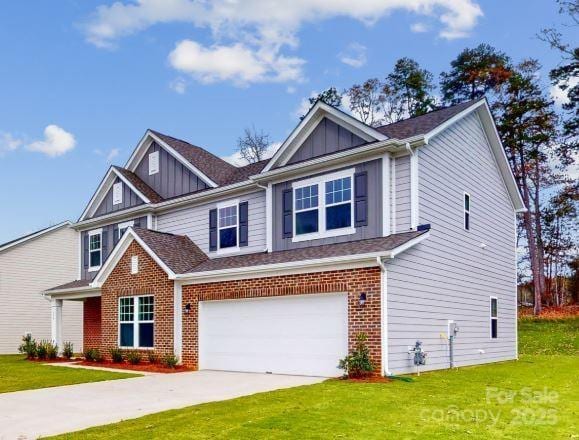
{"x": 82, "y": 81}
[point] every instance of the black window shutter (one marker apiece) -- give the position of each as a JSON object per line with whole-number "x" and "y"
{"x": 213, "y": 230}
{"x": 85, "y": 249}
{"x": 361, "y": 198}
{"x": 115, "y": 234}
{"x": 243, "y": 223}
{"x": 105, "y": 244}
{"x": 287, "y": 214}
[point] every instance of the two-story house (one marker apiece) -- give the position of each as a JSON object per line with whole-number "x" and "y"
{"x": 403, "y": 232}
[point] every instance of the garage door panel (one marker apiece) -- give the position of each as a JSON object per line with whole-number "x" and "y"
{"x": 304, "y": 334}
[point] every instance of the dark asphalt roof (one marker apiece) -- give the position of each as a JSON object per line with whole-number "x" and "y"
{"x": 138, "y": 183}
{"x": 71, "y": 285}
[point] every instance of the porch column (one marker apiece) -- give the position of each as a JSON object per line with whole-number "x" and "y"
{"x": 56, "y": 322}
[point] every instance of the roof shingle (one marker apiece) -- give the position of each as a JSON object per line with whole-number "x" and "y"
{"x": 138, "y": 183}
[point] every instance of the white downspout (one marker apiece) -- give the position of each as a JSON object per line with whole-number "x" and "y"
{"x": 384, "y": 316}
{"x": 268, "y": 215}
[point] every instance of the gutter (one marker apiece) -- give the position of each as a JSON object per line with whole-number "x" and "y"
{"x": 384, "y": 316}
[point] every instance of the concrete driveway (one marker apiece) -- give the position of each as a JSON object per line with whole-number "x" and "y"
{"x": 51, "y": 411}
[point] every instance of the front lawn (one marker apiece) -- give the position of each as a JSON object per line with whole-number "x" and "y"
{"x": 17, "y": 374}
{"x": 474, "y": 402}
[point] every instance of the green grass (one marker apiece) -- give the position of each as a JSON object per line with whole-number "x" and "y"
{"x": 436, "y": 405}
{"x": 549, "y": 336}
{"x": 17, "y": 374}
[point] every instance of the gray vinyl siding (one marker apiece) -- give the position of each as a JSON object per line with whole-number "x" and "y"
{"x": 109, "y": 245}
{"x": 130, "y": 200}
{"x": 401, "y": 199}
{"x": 173, "y": 179}
{"x": 449, "y": 275}
{"x": 194, "y": 223}
{"x": 372, "y": 230}
{"x": 327, "y": 137}
{"x": 25, "y": 271}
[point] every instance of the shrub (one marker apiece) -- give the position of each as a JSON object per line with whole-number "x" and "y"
{"x": 170, "y": 361}
{"x": 67, "y": 350}
{"x": 93, "y": 355}
{"x": 152, "y": 357}
{"x": 357, "y": 363}
{"x": 134, "y": 357}
{"x": 42, "y": 350}
{"x": 28, "y": 346}
{"x": 116, "y": 355}
{"x": 51, "y": 350}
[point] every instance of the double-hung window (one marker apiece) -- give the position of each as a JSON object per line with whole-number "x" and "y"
{"x": 122, "y": 228}
{"x": 136, "y": 321}
{"x": 494, "y": 312}
{"x": 228, "y": 224}
{"x": 323, "y": 206}
{"x": 466, "y": 211}
{"x": 94, "y": 249}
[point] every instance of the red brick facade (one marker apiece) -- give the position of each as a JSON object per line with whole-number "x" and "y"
{"x": 151, "y": 279}
{"x": 92, "y": 323}
{"x": 353, "y": 282}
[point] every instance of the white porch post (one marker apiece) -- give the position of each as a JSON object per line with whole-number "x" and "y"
{"x": 56, "y": 322}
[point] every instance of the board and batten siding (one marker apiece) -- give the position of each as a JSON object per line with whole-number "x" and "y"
{"x": 450, "y": 276}
{"x": 372, "y": 230}
{"x": 25, "y": 271}
{"x": 194, "y": 223}
{"x": 401, "y": 197}
{"x": 130, "y": 200}
{"x": 173, "y": 179}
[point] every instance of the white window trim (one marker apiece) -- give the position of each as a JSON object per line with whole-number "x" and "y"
{"x": 232, "y": 249}
{"x": 155, "y": 170}
{"x": 124, "y": 225}
{"x": 493, "y": 318}
{"x": 90, "y": 234}
{"x": 321, "y": 181}
{"x": 118, "y": 192}
{"x": 466, "y": 211}
{"x": 135, "y": 322}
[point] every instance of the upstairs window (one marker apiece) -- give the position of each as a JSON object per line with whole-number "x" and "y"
{"x": 323, "y": 206}
{"x": 228, "y": 224}
{"x": 153, "y": 163}
{"x": 494, "y": 318}
{"x": 466, "y": 211}
{"x": 118, "y": 193}
{"x": 95, "y": 249}
{"x": 136, "y": 321}
{"x": 122, "y": 228}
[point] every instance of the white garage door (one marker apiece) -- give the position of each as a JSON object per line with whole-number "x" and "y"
{"x": 305, "y": 334}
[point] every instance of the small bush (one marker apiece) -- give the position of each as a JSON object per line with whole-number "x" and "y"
{"x": 134, "y": 357}
{"x": 93, "y": 355}
{"x": 116, "y": 355}
{"x": 28, "y": 346}
{"x": 152, "y": 357}
{"x": 42, "y": 350}
{"x": 51, "y": 350}
{"x": 67, "y": 350}
{"x": 170, "y": 361}
{"x": 358, "y": 364}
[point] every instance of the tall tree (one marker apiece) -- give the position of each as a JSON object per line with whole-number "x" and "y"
{"x": 253, "y": 145}
{"x": 474, "y": 73}
{"x": 364, "y": 101}
{"x": 330, "y": 96}
{"x": 406, "y": 92}
{"x": 527, "y": 124}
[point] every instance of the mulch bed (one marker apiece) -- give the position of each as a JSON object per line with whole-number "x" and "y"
{"x": 146, "y": 367}
{"x": 369, "y": 379}
{"x": 51, "y": 361}
{"x": 550, "y": 312}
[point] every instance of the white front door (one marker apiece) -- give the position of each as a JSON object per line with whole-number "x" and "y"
{"x": 305, "y": 334}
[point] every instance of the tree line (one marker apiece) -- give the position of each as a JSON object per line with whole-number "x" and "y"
{"x": 540, "y": 140}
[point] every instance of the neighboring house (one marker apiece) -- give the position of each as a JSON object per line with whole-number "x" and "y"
{"x": 28, "y": 266}
{"x": 401, "y": 232}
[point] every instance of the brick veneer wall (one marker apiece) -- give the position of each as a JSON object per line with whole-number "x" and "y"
{"x": 92, "y": 323}
{"x": 353, "y": 282}
{"x": 150, "y": 279}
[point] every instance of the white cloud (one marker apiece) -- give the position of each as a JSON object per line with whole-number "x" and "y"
{"x": 112, "y": 154}
{"x": 178, "y": 85}
{"x": 418, "y": 28}
{"x": 238, "y": 161}
{"x": 256, "y": 33}
{"x": 291, "y": 90}
{"x": 109, "y": 155}
{"x": 56, "y": 142}
{"x": 354, "y": 55}
{"x": 560, "y": 96}
{"x": 9, "y": 142}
